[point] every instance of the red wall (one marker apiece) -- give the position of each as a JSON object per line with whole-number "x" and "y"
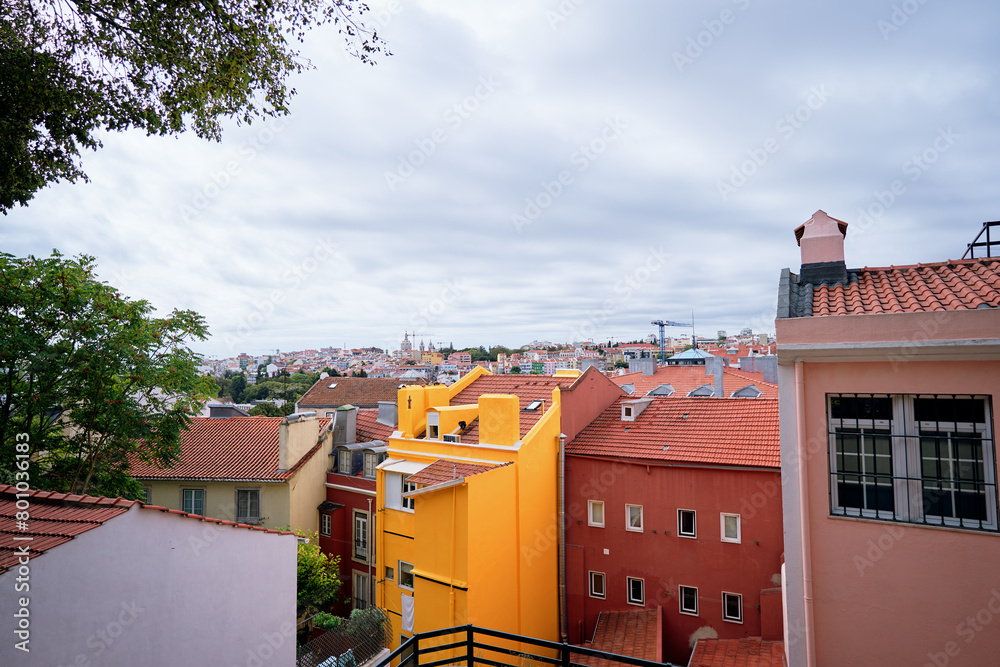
{"x": 341, "y": 539}
{"x": 665, "y": 560}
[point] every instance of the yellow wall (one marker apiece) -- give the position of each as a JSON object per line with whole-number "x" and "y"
{"x": 308, "y": 486}
{"x": 494, "y": 535}
{"x": 220, "y": 499}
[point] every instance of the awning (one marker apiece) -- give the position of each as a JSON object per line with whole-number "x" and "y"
{"x": 402, "y": 466}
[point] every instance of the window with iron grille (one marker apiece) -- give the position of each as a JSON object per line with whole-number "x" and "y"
{"x": 925, "y": 459}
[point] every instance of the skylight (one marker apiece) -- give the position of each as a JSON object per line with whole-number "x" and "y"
{"x": 531, "y": 407}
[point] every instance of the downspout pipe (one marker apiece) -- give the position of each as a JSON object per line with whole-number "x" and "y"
{"x": 562, "y": 539}
{"x": 807, "y": 578}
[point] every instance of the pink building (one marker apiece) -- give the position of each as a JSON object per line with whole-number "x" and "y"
{"x": 889, "y": 377}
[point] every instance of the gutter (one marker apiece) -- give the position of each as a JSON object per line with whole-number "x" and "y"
{"x": 562, "y": 539}
{"x": 807, "y": 578}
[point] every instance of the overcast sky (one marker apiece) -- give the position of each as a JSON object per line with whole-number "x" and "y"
{"x": 552, "y": 170}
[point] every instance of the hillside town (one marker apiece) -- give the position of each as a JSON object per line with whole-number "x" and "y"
{"x": 750, "y": 500}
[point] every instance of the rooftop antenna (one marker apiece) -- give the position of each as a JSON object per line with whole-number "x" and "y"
{"x": 970, "y": 252}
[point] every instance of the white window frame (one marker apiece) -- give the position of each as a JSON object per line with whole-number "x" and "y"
{"x": 722, "y": 528}
{"x": 629, "y": 526}
{"x": 359, "y": 582}
{"x": 694, "y": 524}
{"x": 248, "y": 518}
{"x": 642, "y": 589}
{"x": 371, "y": 461}
{"x": 681, "y": 590}
{"x": 325, "y": 524}
{"x": 403, "y": 573}
{"x": 591, "y": 504}
{"x": 906, "y": 460}
{"x": 195, "y": 493}
{"x": 594, "y": 577}
{"x": 407, "y": 504}
{"x": 433, "y": 426}
{"x": 344, "y": 466}
{"x": 360, "y": 518}
{"x": 725, "y": 615}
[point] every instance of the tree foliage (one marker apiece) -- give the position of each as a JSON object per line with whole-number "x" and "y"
{"x": 266, "y": 410}
{"x": 318, "y": 576}
{"x": 90, "y": 377}
{"x": 70, "y": 68}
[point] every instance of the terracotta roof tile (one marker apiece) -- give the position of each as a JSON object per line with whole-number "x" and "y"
{"x": 631, "y": 633}
{"x": 953, "y": 285}
{"x": 443, "y": 470}
{"x": 748, "y": 652}
{"x": 368, "y": 427}
{"x": 239, "y": 448}
{"x": 56, "y": 518}
{"x": 686, "y": 378}
{"x": 359, "y": 392}
{"x": 527, "y": 388}
{"x": 724, "y": 431}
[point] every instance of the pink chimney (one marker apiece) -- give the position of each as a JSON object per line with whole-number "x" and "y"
{"x": 822, "y": 241}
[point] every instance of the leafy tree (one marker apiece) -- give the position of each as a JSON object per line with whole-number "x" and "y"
{"x": 515, "y": 369}
{"x": 266, "y": 410}
{"x": 360, "y": 373}
{"x": 239, "y": 388}
{"x": 90, "y": 377}
{"x": 318, "y": 576}
{"x": 621, "y": 364}
{"x": 72, "y": 68}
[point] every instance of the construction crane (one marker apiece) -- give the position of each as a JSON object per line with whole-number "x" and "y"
{"x": 662, "y": 324}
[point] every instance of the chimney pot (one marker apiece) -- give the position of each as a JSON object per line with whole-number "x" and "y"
{"x": 821, "y": 239}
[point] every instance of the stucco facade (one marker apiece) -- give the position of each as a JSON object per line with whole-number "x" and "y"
{"x": 890, "y": 502}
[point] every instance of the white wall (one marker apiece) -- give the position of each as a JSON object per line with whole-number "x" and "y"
{"x": 151, "y": 588}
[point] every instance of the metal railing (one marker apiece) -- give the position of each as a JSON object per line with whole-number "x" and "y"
{"x": 467, "y": 645}
{"x": 354, "y": 642}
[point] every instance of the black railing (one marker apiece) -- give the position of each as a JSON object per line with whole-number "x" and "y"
{"x": 467, "y": 645}
{"x": 354, "y": 642}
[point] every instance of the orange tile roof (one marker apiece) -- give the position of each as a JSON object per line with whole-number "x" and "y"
{"x": 724, "y": 431}
{"x": 527, "y": 388}
{"x": 359, "y": 392}
{"x": 687, "y": 378}
{"x": 56, "y": 518}
{"x": 631, "y": 633}
{"x": 239, "y": 449}
{"x": 953, "y": 285}
{"x": 443, "y": 470}
{"x": 368, "y": 427}
{"x": 748, "y": 652}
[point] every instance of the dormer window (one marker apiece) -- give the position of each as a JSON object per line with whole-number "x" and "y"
{"x": 627, "y": 413}
{"x": 433, "y": 426}
{"x": 344, "y": 462}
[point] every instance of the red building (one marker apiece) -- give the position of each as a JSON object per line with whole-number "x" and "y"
{"x": 347, "y": 516}
{"x": 675, "y": 503}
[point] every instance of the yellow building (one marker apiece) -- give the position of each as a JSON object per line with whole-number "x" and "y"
{"x": 267, "y": 471}
{"x": 468, "y": 500}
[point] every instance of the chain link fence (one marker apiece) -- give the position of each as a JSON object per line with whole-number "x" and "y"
{"x": 354, "y": 642}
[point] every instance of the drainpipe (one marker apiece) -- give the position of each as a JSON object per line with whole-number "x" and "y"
{"x": 562, "y": 539}
{"x": 807, "y": 579}
{"x": 371, "y": 550}
{"x": 454, "y": 528}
